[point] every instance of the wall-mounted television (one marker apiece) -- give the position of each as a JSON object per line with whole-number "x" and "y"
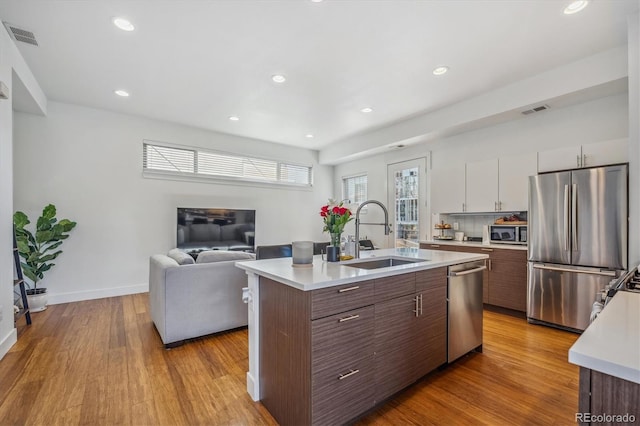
{"x": 201, "y": 229}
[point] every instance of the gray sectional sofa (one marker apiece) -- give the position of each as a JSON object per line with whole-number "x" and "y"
{"x": 194, "y": 298}
{"x": 211, "y": 236}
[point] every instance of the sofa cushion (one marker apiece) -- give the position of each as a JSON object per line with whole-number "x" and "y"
{"x": 210, "y": 256}
{"x": 181, "y": 257}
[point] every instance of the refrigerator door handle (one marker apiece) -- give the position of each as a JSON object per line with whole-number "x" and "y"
{"x": 566, "y": 218}
{"x": 574, "y": 216}
{"x": 576, "y": 271}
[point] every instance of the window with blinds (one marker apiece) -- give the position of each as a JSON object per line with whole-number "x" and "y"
{"x": 354, "y": 189}
{"x": 201, "y": 163}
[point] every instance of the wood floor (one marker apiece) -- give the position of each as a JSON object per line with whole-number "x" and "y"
{"x": 102, "y": 362}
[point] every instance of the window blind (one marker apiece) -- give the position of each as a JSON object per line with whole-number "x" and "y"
{"x": 354, "y": 188}
{"x": 201, "y": 163}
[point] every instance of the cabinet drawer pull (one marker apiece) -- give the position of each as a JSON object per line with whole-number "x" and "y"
{"x": 350, "y": 373}
{"x": 483, "y": 249}
{"x": 349, "y": 318}
{"x": 343, "y": 290}
{"x": 435, "y": 245}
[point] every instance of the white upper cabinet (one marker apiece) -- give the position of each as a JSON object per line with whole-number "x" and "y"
{"x": 604, "y": 153}
{"x": 447, "y": 189}
{"x": 559, "y": 159}
{"x": 513, "y": 185}
{"x": 482, "y": 186}
{"x": 588, "y": 155}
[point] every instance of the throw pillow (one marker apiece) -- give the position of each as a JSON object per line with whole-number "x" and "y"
{"x": 210, "y": 256}
{"x": 181, "y": 257}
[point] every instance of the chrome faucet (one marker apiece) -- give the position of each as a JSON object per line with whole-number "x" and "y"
{"x": 387, "y": 226}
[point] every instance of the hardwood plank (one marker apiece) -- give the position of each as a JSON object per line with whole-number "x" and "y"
{"x": 78, "y": 356}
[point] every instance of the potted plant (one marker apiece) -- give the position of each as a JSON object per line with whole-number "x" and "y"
{"x": 39, "y": 250}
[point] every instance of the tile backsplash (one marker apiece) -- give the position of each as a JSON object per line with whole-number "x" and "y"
{"x": 470, "y": 224}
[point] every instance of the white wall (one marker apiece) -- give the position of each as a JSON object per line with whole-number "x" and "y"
{"x": 634, "y": 138}
{"x": 7, "y": 330}
{"x": 13, "y": 71}
{"x": 597, "y": 120}
{"x": 88, "y": 162}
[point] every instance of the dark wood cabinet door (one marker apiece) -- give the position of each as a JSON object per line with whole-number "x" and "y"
{"x": 508, "y": 279}
{"x": 394, "y": 342}
{"x": 430, "y": 327}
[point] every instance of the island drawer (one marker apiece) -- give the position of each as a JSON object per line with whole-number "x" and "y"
{"x": 332, "y": 300}
{"x": 348, "y": 335}
{"x": 394, "y": 286}
{"x": 342, "y": 391}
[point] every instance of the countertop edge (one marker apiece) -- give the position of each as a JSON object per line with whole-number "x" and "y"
{"x": 324, "y": 282}
{"x": 605, "y": 347}
{"x": 476, "y": 244}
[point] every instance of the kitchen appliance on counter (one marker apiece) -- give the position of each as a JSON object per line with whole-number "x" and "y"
{"x": 577, "y": 242}
{"x": 464, "y": 306}
{"x": 508, "y": 234}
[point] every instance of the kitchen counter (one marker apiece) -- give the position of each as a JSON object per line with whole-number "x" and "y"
{"x": 327, "y": 274}
{"x": 611, "y": 344}
{"x": 476, "y": 244}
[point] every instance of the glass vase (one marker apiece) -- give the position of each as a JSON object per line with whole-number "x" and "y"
{"x": 335, "y": 239}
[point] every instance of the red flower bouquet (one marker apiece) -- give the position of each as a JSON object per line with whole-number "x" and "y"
{"x": 335, "y": 217}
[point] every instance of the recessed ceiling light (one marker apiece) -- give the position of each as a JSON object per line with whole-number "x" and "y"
{"x": 122, "y": 93}
{"x": 440, "y": 70}
{"x": 123, "y": 24}
{"x": 367, "y": 109}
{"x": 278, "y": 78}
{"x": 309, "y": 135}
{"x": 316, "y": 1}
{"x": 575, "y": 7}
{"x": 234, "y": 118}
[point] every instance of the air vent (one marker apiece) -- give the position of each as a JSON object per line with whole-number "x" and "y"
{"x": 19, "y": 34}
{"x": 536, "y": 109}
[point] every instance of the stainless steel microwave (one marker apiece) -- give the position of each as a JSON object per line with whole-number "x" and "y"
{"x": 508, "y": 234}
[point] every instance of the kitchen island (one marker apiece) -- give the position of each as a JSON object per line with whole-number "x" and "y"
{"x": 329, "y": 342}
{"x": 608, "y": 353}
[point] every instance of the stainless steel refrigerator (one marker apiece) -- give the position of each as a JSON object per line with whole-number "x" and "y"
{"x": 578, "y": 223}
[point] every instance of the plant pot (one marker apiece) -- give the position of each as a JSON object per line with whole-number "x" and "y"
{"x": 37, "y": 299}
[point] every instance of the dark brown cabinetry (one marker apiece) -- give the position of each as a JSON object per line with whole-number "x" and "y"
{"x": 505, "y": 280}
{"x": 602, "y": 394}
{"x": 329, "y": 355}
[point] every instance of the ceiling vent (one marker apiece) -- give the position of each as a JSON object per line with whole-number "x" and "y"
{"x": 536, "y": 109}
{"x": 18, "y": 34}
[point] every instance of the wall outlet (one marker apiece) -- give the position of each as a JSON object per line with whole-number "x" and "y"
{"x": 456, "y": 226}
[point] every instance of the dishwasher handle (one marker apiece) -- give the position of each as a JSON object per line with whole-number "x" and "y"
{"x": 467, "y": 272}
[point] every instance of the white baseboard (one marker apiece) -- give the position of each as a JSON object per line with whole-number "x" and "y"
{"x": 8, "y": 341}
{"x": 77, "y": 296}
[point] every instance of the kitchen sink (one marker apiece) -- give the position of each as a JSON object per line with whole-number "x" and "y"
{"x": 382, "y": 263}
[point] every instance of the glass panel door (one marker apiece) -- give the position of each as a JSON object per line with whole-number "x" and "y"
{"x": 406, "y": 183}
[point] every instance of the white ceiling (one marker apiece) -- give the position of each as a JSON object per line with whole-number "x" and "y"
{"x": 196, "y": 62}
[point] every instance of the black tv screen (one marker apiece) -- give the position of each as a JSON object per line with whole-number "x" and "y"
{"x": 201, "y": 229}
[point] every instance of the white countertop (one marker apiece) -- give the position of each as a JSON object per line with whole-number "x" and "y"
{"x": 611, "y": 344}
{"x": 477, "y": 244}
{"x": 327, "y": 274}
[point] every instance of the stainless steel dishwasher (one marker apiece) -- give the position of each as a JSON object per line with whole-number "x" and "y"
{"x": 464, "y": 309}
